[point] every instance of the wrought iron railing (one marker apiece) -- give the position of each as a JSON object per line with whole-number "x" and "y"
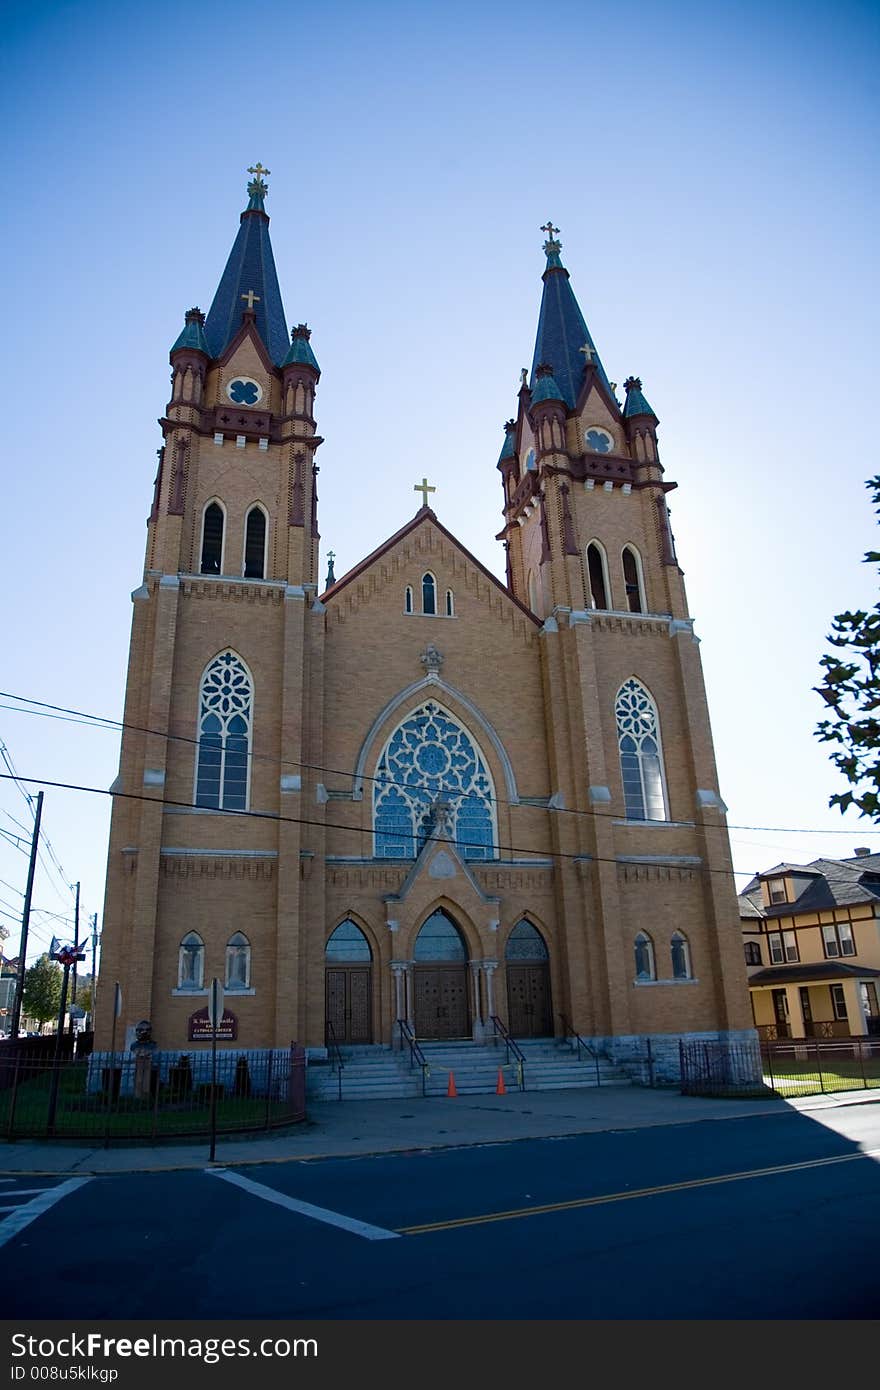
{"x": 334, "y": 1052}
{"x": 512, "y": 1047}
{"x": 789, "y": 1067}
{"x": 416, "y": 1055}
{"x": 582, "y": 1046}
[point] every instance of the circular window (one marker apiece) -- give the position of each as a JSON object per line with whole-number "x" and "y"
{"x": 599, "y": 441}
{"x": 244, "y": 391}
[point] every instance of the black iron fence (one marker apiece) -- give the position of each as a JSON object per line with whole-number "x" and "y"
{"x": 117, "y": 1096}
{"x": 790, "y": 1067}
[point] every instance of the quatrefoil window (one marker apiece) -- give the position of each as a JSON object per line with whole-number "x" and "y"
{"x": 599, "y": 441}
{"x": 244, "y": 391}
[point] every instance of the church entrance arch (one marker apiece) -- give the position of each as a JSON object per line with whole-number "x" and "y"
{"x": 348, "y": 985}
{"x": 529, "y": 1010}
{"x": 440, "y": 984}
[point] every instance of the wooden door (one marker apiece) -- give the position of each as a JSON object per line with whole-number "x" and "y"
{"x": 528, "y": 1001}
{"x": 780, "y": 1011}
{"x": 348, "y": 998}
{"x": 441, "y": 1001}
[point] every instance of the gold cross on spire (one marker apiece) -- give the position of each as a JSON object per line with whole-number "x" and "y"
{"x": 259, "y": 171}
{"x": 424, "y": 488}
{"x": 550, "y": 229}
{"x": 251, "y": 298}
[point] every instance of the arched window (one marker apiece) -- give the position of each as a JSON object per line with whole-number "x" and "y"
{"x": 212, "y": 539}
{"x": 431, "y": 757}
{"x": 644, "y": 957}
{"x": 525, "y": 943}
{"x": 597, "y": 571}
{"x": 238, "y": 962}
{"x": 348, "y": 943}
{"x": 407, "y": 602}
{"x": 641, "y": 765}
{"x": 450, "y": 606}
{"x": 632, "y": 574}
{"x": 225, "y": 714}
{"x": 439, "y": 939}
{"x": 753, "y": 953}
{"x": 429, "y": 593}
{"x": 255, "y": 544}
{"x": 681, "y": 957}
{"x": 191, "y": 962}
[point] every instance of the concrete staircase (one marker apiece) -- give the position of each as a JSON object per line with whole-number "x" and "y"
{"x": 378, "y": 1073}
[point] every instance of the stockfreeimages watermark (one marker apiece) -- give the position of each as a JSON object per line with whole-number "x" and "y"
{"x": 93, "y": 1346}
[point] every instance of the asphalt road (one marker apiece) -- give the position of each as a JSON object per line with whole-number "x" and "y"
{"x": 768, "y": 1217}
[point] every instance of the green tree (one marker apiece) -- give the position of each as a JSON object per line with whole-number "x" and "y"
{"x": 851, "y": 690}
{"x": 41, "y": 998}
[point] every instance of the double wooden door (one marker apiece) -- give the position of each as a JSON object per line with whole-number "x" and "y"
{"x": 348, "y": 1002}
{"x": 529, "y": 1014}
{"x": 441, "y": 1001}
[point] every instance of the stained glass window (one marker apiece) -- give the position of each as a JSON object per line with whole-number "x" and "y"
{"x": 525, "y": 943}
{"x": 212, "y": 539}
{"x": 224, "y": 735}
{"x": 429, "y": 594}
{"x": 640, "y": 763}
{"x": 255, "y": 544}
{"x": 644, "y": 954}
{"x": 191, "y": 962}
{"x": 430, "y": 756}
{"x": 681, "y": 957}
{"x": 238, "y": 962}
{"x": 348, "y": 943}
{"x": 439, "y": 939}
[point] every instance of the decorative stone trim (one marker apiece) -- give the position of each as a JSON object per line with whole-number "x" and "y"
{"x": 599, "y": 795}
{"x": 648, "y": 984}
{"x": 291, "y": 782}
{"x": 154, "y": 777}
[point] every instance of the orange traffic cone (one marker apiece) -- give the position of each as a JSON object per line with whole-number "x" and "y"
{"x": 450, "y": 1089}
{"x": 500, "y": 1089}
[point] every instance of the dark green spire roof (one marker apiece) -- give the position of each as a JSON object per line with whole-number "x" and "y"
{"x": 249, "y": 281}
{"x": 562, "y": 332}
{"x": 635, "y": 401}
{"x": 193, "y": 335}
{"x": 299, "y": 350}
{"x": 508, "y": 448}
{"x": 546, "y": 387}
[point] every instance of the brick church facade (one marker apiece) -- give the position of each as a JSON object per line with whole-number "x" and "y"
{"x": 330, "y": 800}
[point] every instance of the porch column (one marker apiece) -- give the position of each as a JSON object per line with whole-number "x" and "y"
{"x": 490, "y": 966}
{"x": 855, "y": 1014}
{"x": 476, "y": 967}
{"x": 398, "y": 968}
{"x": 795, "y": 1012}
{"x": 409, "y": 1001}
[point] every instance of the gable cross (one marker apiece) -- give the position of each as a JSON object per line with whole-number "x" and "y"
{"x": 251, "y": 298}
{"x": 588, "y": 351}
{"x": 424, "y": 488}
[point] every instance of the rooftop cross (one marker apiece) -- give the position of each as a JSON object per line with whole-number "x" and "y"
{"x": 424, "y": 488}
{"x": 550, "y": 230}
{"x": 251, "y": 298}
{"x": 588, "y": 350}
{"x": 258, "y": 170}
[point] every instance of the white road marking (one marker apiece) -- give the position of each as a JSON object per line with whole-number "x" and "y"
{"x": 23, "y": 1216}
{"x": 330, "y": 1218}
{"x": 26, "y": 1191}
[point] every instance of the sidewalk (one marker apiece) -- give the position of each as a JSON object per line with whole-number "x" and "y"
{"x": 346, "y": 1128}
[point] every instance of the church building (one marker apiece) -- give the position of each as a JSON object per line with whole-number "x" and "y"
{"x": 414, "y": 797}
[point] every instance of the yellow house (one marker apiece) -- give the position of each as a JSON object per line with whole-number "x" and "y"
{"x": 811, "y": 935}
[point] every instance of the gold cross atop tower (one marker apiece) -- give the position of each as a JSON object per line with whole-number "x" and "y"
{"x": 251, "y": 298}
{"x": 424, "y": 488}
{"x": 258, "y": 170}
{"x": 550, "y": 230}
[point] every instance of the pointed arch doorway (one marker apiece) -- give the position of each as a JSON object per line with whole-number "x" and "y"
{"x": 348, "y": 990}
{"x": 529, "y": 1011}
{"x": 440, "y": 980}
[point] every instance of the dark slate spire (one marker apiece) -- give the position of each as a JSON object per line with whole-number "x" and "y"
{"x": 249, "y": 282}
{"x": 546, "y": 387}
{"x": 299, "y": 352}
{"x": 508, "y": 448}
{"x": 193, "y": 335}
{"x": 563, "y": 337}
{"x": 331, "y": 573}
{"x": 635, "y": 401}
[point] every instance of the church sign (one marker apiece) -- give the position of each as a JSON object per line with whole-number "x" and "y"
{"x": 199, "y": 1027}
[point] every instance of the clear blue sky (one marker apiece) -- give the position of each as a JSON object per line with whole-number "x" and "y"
{"x": 714, "y": 173}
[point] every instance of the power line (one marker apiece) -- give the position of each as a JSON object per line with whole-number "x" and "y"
{"x": 100, "y": 721}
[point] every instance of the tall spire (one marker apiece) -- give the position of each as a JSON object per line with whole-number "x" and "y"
{"x": 250, "y": 281}
{"x": 563, "y": 339}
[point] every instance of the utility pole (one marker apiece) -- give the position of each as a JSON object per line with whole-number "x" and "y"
{"x": 93, "y": 923}
{"x": 76, "y": 948}
{"x": 25, "y": 922}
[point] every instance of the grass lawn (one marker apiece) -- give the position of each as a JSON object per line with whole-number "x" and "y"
{"x": 791, "y": 1077}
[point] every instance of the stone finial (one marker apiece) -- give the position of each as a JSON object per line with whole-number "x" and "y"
{"x": 195, "y": 316}
{"x": 632, "y": 383}
{"x": 431, "y": 660}
{"x": 301, "y": 330}
{"x": 543, "y": 369}
{"x": 510, "y": 425}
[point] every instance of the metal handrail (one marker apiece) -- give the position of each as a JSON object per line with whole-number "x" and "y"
{"x": 336, "y": 1059}
{"x": 416, "y": 1055}
{"x": 512, "y": 1046}
{"x": 582, "y": 1044}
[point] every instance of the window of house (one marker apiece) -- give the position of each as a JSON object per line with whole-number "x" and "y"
{"x": 838, "y": 1000}
{"x": 632, "y": 576}
{"x": 868, "y": 991}
{"x": 776, "y": 888}
{"x": 753, "y": 953}
{"x": 429, "y": 594}
{"x": 837, "y": 938}
{"x": 191, "y": 962}
{"x": 255, "y": 544}
{"x": 212, "y": 539}
{"x": 225, "y": 706}
{"x": 681, "y": 956}
{"x": 644, "y": 957}
{"x": 238, "y": 962}
{"x": 783, "y": 947}
{"x": 641, "y": 764}
{"x": 597, "y": 574}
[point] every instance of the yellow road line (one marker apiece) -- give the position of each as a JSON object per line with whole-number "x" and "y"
{"x": 519, "y": 1212}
